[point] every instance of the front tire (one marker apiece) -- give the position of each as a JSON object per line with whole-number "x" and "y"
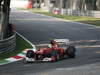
{"x": 30, "y": 54}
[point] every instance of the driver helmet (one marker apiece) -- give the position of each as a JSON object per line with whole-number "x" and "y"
{"x": 53, "y": 42}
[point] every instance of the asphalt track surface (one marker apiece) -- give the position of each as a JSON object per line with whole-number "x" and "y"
{"x": 40, "y": 29}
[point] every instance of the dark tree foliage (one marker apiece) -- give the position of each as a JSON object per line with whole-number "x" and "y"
{"x": 70, "y": 4}
{"x": 92, "y": 4}
{"x": 5, "y": 9}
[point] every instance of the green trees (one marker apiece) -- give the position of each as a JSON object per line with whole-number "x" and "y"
{"x": 4, "y": 17}
{"x": 98, "y": 4}
{"x": 83, "y": 4}
{"x": 37, "y": 3}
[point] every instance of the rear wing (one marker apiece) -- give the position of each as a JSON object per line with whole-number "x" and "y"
{"x": 62, "y": 41}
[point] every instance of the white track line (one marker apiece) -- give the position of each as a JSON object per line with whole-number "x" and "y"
{"x": 27, "y": 40}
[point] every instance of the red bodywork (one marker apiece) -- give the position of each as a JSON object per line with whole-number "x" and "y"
{"x": 54, "y": 46}
{"x": 47, "y": 51}
{"x": 42, "y": 51}
{"x": 54, "y": 52}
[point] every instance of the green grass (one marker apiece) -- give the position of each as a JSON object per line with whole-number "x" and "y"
{"x": 22, "y": 8}
{"x": 87, "y": 20}
{"x": 37, "y": 10}
{"x": 33, "y": 10}
{"x": 21, "y": 44}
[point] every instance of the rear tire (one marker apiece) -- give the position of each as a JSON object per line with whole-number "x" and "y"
{"x": 70, "y": 52}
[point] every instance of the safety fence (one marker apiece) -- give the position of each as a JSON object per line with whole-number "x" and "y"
{"x": 90, "y": 13}
{"x": 8, "y": 44}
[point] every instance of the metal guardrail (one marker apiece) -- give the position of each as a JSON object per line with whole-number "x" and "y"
{"x": 90, "y": 13}
{"x": 8, "y": 44}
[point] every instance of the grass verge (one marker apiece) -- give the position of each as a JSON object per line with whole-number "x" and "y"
{"x": 33, "y": 10}
{"x": 87, "y": 20}
{"x": 21, "y": 44}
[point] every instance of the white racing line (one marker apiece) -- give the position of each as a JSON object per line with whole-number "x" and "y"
{"x": 89, "y": 69}
{"x": 27, "y": 41}
{"x": 88, "y": 66}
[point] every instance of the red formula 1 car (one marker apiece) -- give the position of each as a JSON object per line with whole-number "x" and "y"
{"x": 52, "y": 53}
